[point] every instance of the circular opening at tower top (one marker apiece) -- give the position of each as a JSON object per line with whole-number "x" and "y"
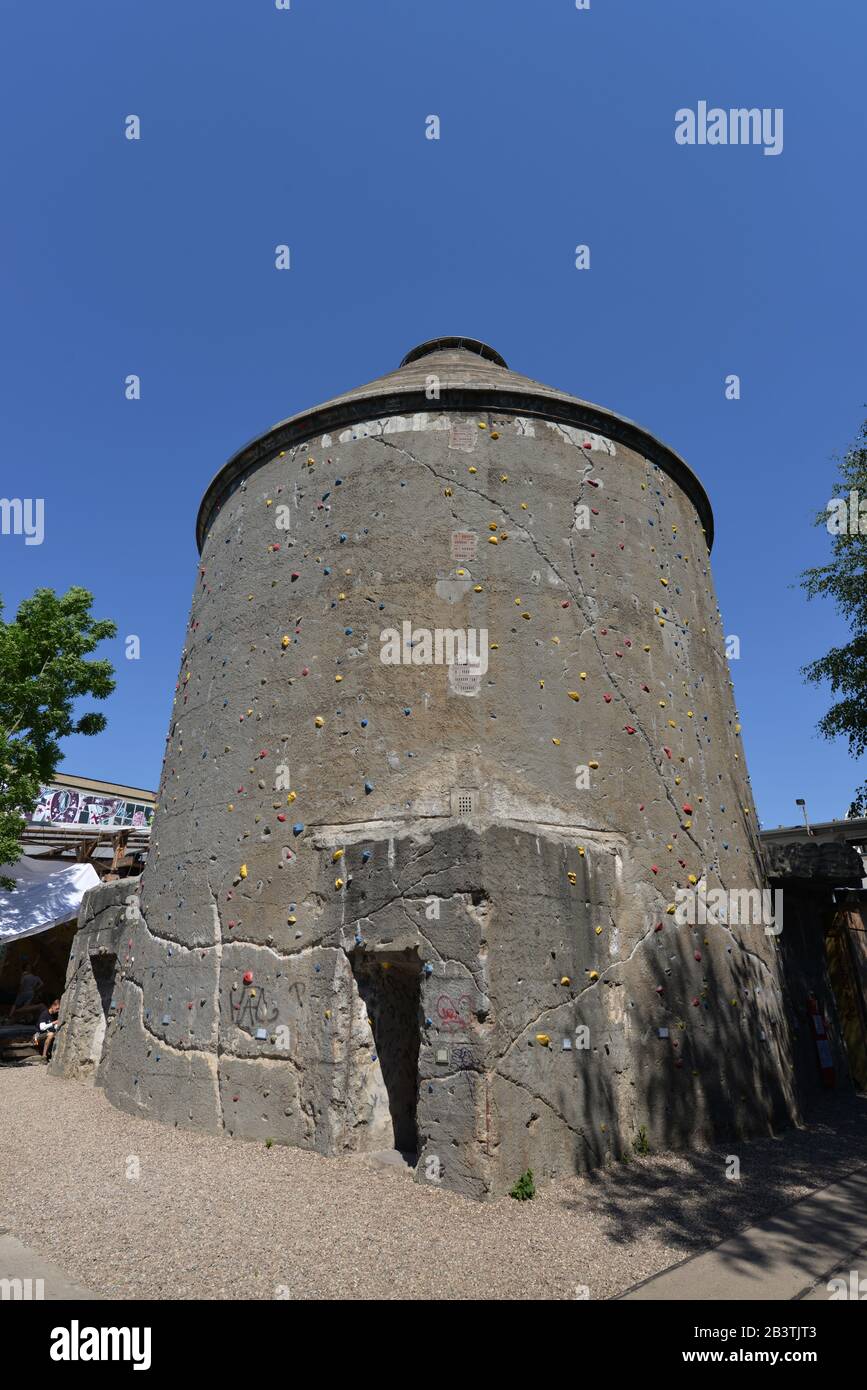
{"x": 451, "y": 345}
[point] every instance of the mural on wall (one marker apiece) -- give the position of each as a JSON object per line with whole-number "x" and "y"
{"x": 65, "y": 806}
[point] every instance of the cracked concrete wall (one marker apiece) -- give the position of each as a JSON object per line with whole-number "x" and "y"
{"x": 107, "y": 916}
{"x": 561, "y": 1007}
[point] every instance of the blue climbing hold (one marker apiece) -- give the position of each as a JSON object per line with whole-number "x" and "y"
{"x": 297, "y": 828}
{"x": 368, "y": 788}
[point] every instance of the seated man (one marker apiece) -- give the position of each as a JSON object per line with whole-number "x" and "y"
{"x": 48, "y": 1025}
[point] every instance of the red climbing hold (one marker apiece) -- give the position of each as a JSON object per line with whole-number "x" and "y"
{"x": 607, "y": 699}
{"x": 667, "y": 752}
{"x": 687, "y": 808}
{"x": 629, "y": 729}
{"x": 248, "y": 977}
{"x": 697, "y": 955}
{"x": 565, "y": 603}
{"x": 654, "y": 868}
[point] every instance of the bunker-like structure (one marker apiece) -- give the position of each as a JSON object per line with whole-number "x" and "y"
{"x": 453, "y": 732}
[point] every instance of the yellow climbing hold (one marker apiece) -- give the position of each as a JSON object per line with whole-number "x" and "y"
{"x": 573, "y": 695}
{"x": 268, "y": 503}
{"x": 477, "y": 588}
{"x": 580, "y": 848}
{"x": 472, "y": 469}
{"x": 338, "y": 883}
{"x": 542, "y": 1039}
{"x": 492, "y": 525}
{"x": 482, "y": 425}
{"x": 692, "y": 878}
{"x": 338, "y": 854}
{"x": 665, "y": 582}
{"x": 284, "y": 641}
{"x": 593, "y": 763}
{"x": 593, "y": 974}
{"x": 556, "y": 741}
{"x": 504, "y": 477}
{"x": 566, "y": 980}
{"x": 319, "y": 721}
{"x": 495, "y": 434}
{"x": 492, "y": 540}
{"x": 582, "y": 675}
{"x": 290, "y": 798}
{"x": 447, "y": 492}
{"x": 243, "y": 871}
{"x": 231, "y": 806}
{"x": 338, "y": 678}
{"x": 523, "y": 506}
{"x": 671, "y": 909}
{"x": 598, "y": 931}
{"x": 572, "y": 877}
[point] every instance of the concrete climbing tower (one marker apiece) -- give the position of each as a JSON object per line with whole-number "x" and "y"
{"x": 453, "y": 738}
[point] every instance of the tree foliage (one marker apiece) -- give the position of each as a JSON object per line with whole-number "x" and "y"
{"x": 844, "y": 580}
{"x": 43, "y": 671}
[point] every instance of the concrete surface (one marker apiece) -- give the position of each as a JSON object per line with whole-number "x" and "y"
{"x": 796, "y": 1249}
{"x": 30, "y": 1277}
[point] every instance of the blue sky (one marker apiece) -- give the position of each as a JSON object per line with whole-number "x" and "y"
{"x": 307, "y": 127}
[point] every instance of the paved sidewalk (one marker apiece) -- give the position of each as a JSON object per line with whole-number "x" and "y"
{"x": 792, "y": 1254}
{"x": 30, "y": 1277}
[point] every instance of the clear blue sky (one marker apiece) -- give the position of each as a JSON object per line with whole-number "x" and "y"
{"x": 306, "y": 126}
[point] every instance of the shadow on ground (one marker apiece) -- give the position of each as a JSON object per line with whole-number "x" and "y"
{"x": 689, "y": 1202}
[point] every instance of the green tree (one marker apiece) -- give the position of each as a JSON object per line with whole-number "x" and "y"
{"x": 844, "y": 580}
{"x": 43, "y": 670}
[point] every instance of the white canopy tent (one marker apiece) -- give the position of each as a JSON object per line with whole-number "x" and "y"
{"x": 44, "y": 895}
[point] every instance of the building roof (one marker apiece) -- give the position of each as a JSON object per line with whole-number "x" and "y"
{"x": 471, "y": 377}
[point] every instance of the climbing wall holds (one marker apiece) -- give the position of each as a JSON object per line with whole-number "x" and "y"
{"x": 542, "y": 1039}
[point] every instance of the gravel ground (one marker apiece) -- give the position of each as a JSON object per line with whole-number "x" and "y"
{"x": 210, "y": 1217}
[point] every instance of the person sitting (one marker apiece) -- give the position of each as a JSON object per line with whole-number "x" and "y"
{"x": 44, "y": 1039}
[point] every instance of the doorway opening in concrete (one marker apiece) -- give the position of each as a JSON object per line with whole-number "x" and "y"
{"x": 104, "y": 967}
{"x": 390, "y": 985}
